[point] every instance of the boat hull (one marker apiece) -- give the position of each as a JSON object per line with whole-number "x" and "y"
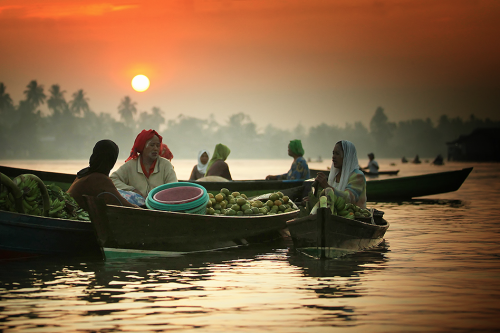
{"x": 329, "y": 236}
{"x": 154, "y": 230}
{"x": 314, "y": 172}
{"x": 24, "y": 236}
{"x": 403, "y": 188}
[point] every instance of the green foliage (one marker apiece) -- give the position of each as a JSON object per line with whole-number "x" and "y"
{"x": 72, "y": 128}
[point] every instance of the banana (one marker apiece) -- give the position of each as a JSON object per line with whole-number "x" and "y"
{"x": 27, "y": 207}
{"x": 55, "y": 210}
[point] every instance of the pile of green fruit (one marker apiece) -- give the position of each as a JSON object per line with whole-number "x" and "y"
{"x": 348, "y": 210}
{"x": 63, "y": 205}
{"x": 27, "y": 194}
{"x": 237, "y": 204}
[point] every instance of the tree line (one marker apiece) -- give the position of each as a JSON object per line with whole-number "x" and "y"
{"x": 71, "y": 129}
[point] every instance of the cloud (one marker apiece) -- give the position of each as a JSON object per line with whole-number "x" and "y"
{"x": 60, "y": 10}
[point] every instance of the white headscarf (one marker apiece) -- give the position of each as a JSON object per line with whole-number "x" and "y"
{"x": 202, "y": 168}
{"x": 350, "y": 163}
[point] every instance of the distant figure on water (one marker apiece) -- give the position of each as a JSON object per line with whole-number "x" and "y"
{"x": 404, "y": 160}
{"x": 372, "y": 166}
{"x": 144, "y": 169}
{"x": 438, "y": 160}
{"x": 345, "y": 178}
{"x": 217, "y": 165}
{"x": 299, "y": 168}
{"x": 94, "y": 180}
{"x": 416, "y": 160}
{"x": 200, "y": 169}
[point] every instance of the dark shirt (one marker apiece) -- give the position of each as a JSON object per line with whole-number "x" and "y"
{"x": 195, "y": 174}
{"x": 93, "y": 185}
{"x": 221, "y": 169}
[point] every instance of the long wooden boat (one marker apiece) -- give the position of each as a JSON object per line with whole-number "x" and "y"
{"x": 25, "y": 236}
{"x": 249, "y": 187}
{"x": 389, "y": 189}
{"x": 314, "y": 172}
{"x": 324, "y": 235}
{"x": 154, "y": 230}
{"x": 404, "y": 188}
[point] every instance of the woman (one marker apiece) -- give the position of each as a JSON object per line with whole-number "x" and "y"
{"x": 94, "y": 180}
{"x": 200, "y": 169}
{"x": 346, "y": 179}
{"x": 144, "y": 169}
{"x": 299, "y": 168}
{"x": 217, "y": 165}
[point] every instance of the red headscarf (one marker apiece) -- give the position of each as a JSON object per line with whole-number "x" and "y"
{"x": 140, "y": 143}
{"x": 165, "y": 152}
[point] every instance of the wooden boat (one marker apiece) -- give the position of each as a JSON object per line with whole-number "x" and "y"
{"x": 389, "y": 189}
{"x": 324, "y": 235}
{"x": 154, "y": 230}
{"x": 314, "y": 172}
{"x": 249, "y": 187}
{"x": 404, "y": 188}
{"x": 24, "y": 236}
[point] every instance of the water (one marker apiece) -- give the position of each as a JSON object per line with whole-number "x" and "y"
{"x": 438, "y": 271}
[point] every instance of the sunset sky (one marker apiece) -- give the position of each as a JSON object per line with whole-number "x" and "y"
{"x": 283, "y": 62}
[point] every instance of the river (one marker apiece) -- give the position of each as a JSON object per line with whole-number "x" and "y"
{"x": 438, "y": 271}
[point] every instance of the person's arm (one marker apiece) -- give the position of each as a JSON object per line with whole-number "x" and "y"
{"x": 120, "y": 179}
{"x": 228, "y": 173}
{"x": 108, "y": 186}
{"x": 356, "y": 186}
{"x": 193, "y": 173}
{"x": 170, "y": 175}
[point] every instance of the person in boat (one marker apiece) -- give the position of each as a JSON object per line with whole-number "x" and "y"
{"x": 94, "y": 180}
{"x": 345, "y": 178}
{"x": 438, "y": 160}
{"x": 217, "y": 165}
{"x": 416, "y": 160}
{"x": 200, "y": 169}
{"x": 372, "y": 166}
{"x": 299, "y": 168}
{"x": 166, "y": 153}
{"x": 404, "y": 160}
{"x": 144, "y": 169}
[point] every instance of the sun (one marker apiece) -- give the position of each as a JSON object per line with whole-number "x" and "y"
{"x": 140, "y": 83}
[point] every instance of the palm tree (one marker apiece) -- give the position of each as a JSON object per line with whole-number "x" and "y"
{"x": 127, "y": 109}
{"x": 34, "y": 94}
{"x": 56, "y": 102}
{"x": 5, "y": 99}
{"x": 79, "y": 103}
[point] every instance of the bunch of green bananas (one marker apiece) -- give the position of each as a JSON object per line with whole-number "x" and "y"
{"x": 339, "y": 206}
{"x": 6, "y": 200}
{"x": 62, "y": 205}
{"x": 31, "y": 194}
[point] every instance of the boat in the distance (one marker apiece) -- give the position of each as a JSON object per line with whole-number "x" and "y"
{"x": 404, "y": 188}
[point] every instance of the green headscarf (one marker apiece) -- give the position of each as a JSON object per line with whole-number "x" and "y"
{"x": 221, "y": 152}
{"x": 296, "y": 147}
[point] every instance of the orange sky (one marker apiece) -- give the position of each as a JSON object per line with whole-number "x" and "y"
{"x": 280, "y": 61}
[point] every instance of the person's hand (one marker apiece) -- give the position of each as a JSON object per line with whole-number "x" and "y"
{"x": 271, "y": 177}
{"x": 138, "y": 192}
{"x": 322, "y": 180}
